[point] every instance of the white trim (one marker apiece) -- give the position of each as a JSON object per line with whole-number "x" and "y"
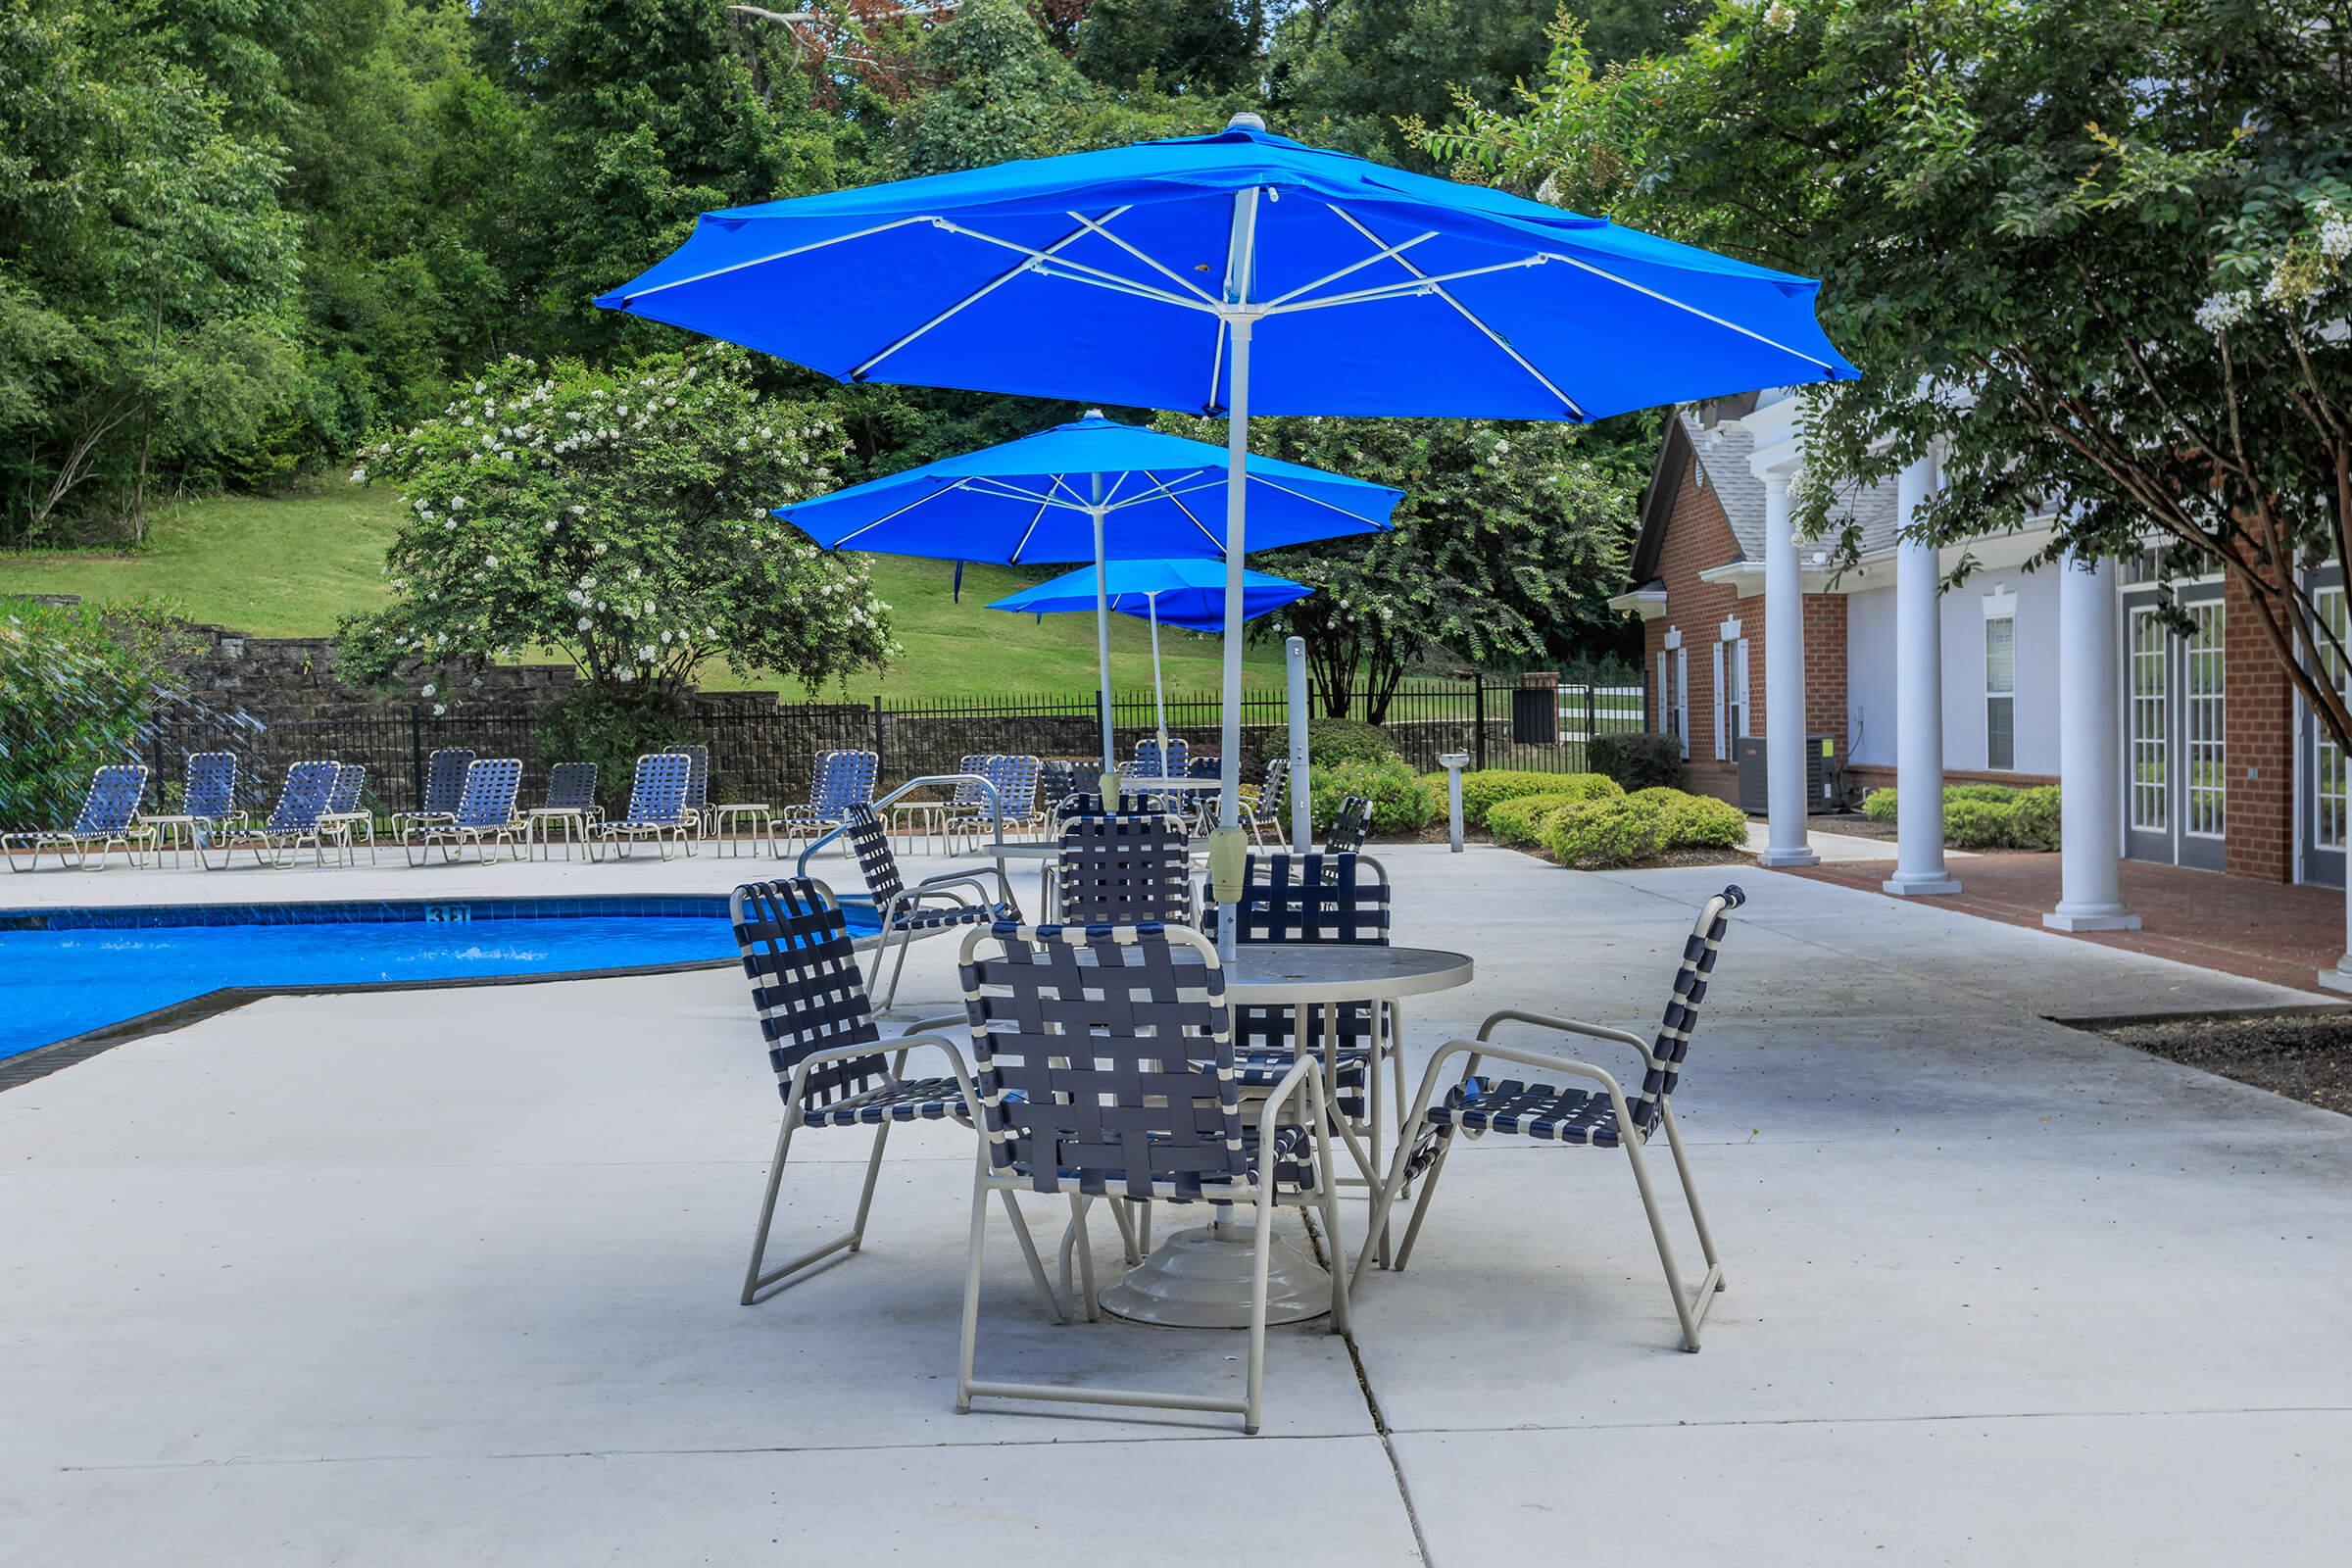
{"x": 1728, "y": 632}
{"x": 1674, "y": 637}
{"x": 1681, "y": 698}
{"x": 1647, "y": 603}
{"x": 1719, "y": 715}
{"x": 1747, "y": 578}
{"x": 2000, "y": 604}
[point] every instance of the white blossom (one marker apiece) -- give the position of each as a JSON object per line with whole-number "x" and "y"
{"x": 585, "y": 623}
{"x": 2222, "y": 311}
{"x": 426, "y": 690}
{"x": 440, "y": 709}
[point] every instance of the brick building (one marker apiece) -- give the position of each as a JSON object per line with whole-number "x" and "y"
{"x": 2203, "y": 751}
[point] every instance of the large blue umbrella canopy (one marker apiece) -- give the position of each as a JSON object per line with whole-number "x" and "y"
{"x": 1035, "y": 499}
{"x": 1235, "y": 271}
{"x": 1188, "y": 593}
{"x": 1171, "y": 593}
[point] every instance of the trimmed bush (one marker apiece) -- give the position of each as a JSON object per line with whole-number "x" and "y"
{"x": 1589, "y": 834}
{"x": 1519, "y": 820}
{"x": 1401, "y": 802}
{"x": 1878, "y": 806}
{"x": 1986, "y": 794}
{"x": 1638, "y": 759}
{"x": 1704, "y": 822}
{"x": 2033, "y": 818}
{"x": 1348, "y": 740}
{"x": 1976, "y": 824}
{"x": 1481, "y": 791}
{"x": 1986, "y": 817}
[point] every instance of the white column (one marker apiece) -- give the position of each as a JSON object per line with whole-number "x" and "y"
{"x": 1919, "y": 700}
{"x": 2090, "y": 753}
{"x": 2339, "y": 978}
{"x": 1783, "y": 685}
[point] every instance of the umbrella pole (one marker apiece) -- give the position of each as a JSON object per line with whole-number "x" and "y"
{"x": 1159, "y": 696}
{"x": 1227, "y": 849}
{"x": 1110, "y": 759}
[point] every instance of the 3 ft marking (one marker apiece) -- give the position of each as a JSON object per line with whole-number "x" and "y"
{"x": 449, "y": 914}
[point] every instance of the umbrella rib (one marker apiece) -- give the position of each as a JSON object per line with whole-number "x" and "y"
{"x": 1160, "y": 268}
{"x": 1705, "y": 315}
{"x": 1467, "y": 315}
{"x": 773, "y": 256}
{"x": 1054, "y": 264}
{"x": 1034, "y": 257}
{"x": 1382, "y": 254}
{"x": 1317, "y": 500}
{"x": 1163, "y": 488}
{"x": 1179, "y": 505}
{"x": 1029, "y": 532}
{"x": 1403, "y": 288}
{"x": 900, "y": 511}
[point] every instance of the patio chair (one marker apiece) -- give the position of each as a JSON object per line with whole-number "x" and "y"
{"x": 842, "y": 780}
{"x": 1598, "y": 1118}
{"x": 295, "y": 822}
{"x": 570, "y": 800}
{"x": 1106, "y": 1069}
{"x": 832, "y": 1067}
{"x": 928, "y": 817}
{"x": 1015, "y": 779}
{"x": 698, "y": 780}
{"x": 1268, "y": 805}
{"x": 1123, "y": 870}
{"x": 485, "y": 816}
{"x": 1150, "y": 765}
{"x": 657, "y": 809}
{"x": 108, "y": 816}
{"x": 1348, "y": 825}
{"x": 1056, "y": 782}
{"x": 926, "y": 908}
{"x": 346, "y": 818}
{"x": 208, "y": 804}
{"x": 444, "y": 785}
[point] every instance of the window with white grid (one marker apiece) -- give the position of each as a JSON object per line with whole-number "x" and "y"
{"x": 2000, "y": 693}
{"x": 2148, "y": 738}
{"x": 2201, "y": 720}
{"x": 2328, "y": 794}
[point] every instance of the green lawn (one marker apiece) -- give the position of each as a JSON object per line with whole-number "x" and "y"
{"x": 289, "y": 567}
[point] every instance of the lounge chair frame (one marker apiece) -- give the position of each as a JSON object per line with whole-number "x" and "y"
{"x": 108, "y": 819}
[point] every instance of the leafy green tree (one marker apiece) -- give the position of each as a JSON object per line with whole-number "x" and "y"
{"x": 77, "y": 689}
{"x": 1172, "y": 45}
{"x": 618, "y": 518}
{"x": 2098, "y": 252}
{"x": 1507, "y": 543}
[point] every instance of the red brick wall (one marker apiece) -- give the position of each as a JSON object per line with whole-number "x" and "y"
{"x": 1824, "y": 666}
{"x": 2259, "y": 747}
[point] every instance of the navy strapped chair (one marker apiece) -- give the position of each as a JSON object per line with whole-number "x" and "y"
{"x": 444, "y": 786}
{"x": 1056, "y": 783}
{"x": 346, "y": 817}
{"x": 1150, "y": 765}
{"x": 1106, "y": 1068}
{"x": 839, "y": 780}
{"x": 1348, "y": 825}
{"x": 697, "y": 779}
{"x": 1600, "y": 1117}
{"x": 295, "y": 822}
{"x": 832, "y": 1067}
{"x": 1122, "y": 869}
{"x": 108, "y": 816}
{"x": 930, "y": 907}
{"x": 1266, "y": 806}
{"x": 484, "y": 818}
{"x": 657, "y": 809}
{"x": 208, "y": 806}
{"x": 570, "y": 800}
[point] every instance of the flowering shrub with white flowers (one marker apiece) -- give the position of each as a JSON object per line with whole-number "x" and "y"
{"x": 618, "y": 518}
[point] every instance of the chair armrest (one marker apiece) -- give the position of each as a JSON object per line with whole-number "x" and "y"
{"x": 926, "y": 1026}
{"x": 1573, "y": 1026}
{"x": 1287, "y": 1088}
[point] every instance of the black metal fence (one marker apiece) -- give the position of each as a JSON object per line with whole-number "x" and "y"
{"x": 763, "y": 750}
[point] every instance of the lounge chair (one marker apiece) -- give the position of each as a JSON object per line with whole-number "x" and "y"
{"x": 444, "y": 785}
{"x": 698, "y": 781}
{"x": 1600, "y": 1117}
{"x": 1349, "y": 826}
{"x": 485, "y": 816}
{"x": 208, "y": 806}
{"x": 930, "y": 907}
{"x": 570, "y": 800}
{"x": 832, "y": 1067}
{"x": 1107, "y": 1070}
{"x": 657, "y": 809}
{"x": 1015, "y": 779}
{"x": 841, "y": 779}
{"x": 1266, "y": 806}
{"x": 108, "y": 816}
{"x": 1150, "y": 765}
{"x": 295, "y": 822}
{"x": 346, "y": 818}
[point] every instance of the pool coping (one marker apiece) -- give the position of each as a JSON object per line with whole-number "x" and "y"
{"x": 487, "y": 907}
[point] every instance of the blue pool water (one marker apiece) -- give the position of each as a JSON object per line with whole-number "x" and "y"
{"x": 56, "y": 983}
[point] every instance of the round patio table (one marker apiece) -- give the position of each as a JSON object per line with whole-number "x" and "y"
{"x": 1200, "y": 1278}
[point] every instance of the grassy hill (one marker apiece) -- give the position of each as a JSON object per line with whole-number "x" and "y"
{"x": 288, "y": 567}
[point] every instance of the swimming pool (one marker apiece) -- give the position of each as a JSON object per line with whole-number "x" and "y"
{"x": 63, "y": 973}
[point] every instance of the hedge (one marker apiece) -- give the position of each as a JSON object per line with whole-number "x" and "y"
{"x": 1697, "y": 822}
{"x": 1608, "y": 832}
{"x": 1400, "y": 801}
{"x": 1638, "y": 759}
{"x": 1348, "y": 740}
{"x": 1481, "y": 791}
{"x": 1985, "y": 817}
{"x": 1517, "y": 821}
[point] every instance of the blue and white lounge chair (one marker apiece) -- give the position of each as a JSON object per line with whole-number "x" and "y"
{"x": 657, "y": 809}
{"x": 208, "y": 806}
{"x": 932, "y": 905}
{"x": 295, "y": 822}
{"x": 108, "y": 816}
{"x": 1015, "y": 779}
{"x": 571, "y": 801}
{"x": 347, "y": 818}
{"x": 842, "y": 779}
{"x": 697, "y": 782}
{"x": 444, "y": 784}
{"x": 485, "y": 816}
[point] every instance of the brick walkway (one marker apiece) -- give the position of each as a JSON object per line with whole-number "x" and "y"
{"x": 2262, "y": 930}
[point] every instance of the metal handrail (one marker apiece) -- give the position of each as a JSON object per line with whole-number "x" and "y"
{"x": 996, "y": 805}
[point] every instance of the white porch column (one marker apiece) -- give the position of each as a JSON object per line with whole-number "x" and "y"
{"x": 1783, "y": 685}
{"x": 2090, "y": 753}
{"x": 1918, "y": 701}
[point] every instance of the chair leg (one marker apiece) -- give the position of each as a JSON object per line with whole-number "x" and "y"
{"x": 1698, "y": 1218}
{"x": 873, "y": 1170}
{"x": 1037, "y": 1266}
{"x": 1325, "y": 1172}
{"x": 754, "y": 1281}
{"x": 1428, "y": 1185}
{"x": 1260, "y": 1258}
{"x": 1674, "y": 1276}
{"x": 906, "y": 941}
{"x": 971, "y": 1285}
{"x": 1122, "y": 1215}
{"x": 1076, "y": 1237}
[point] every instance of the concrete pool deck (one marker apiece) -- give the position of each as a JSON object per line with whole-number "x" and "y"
{"x": 448, "y": 1277}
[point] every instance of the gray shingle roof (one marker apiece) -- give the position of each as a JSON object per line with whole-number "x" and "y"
{"x": 1723, "y": 454}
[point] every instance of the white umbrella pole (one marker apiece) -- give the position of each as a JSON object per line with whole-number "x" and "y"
{"x": 1111, "y": 760}
{"x": 1159, "y": 696}
{"x": 1227, "y": 846}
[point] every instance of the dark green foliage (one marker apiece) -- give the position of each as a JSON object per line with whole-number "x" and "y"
{"x": 1636, "y": 758}
{"x": 1400, "y": 797}
{"x": 612, "y": 729}
{"x": 1985, "y": 817}
{"x": 76, "y": 686}
{"x": 1348, "y": 740}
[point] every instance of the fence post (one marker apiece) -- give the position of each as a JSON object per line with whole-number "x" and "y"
{"x": 1478, "y": 707}
{"x": 877, "y": 734}
{"x": 417, "y": 756}
{"x": 1592, "y": 727}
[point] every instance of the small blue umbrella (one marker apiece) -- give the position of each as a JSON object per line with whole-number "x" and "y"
{"x": 1092, "y": 490}
{"x": 1235, "y": 271}
{"x": 1188, "y": 593}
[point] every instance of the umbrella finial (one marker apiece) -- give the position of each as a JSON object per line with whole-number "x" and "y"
{"x": 1247, "y": 119}
{"x": 1094, "y": 413}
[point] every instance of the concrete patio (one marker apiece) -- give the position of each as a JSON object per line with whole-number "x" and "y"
{"x": 448, "y": 1277}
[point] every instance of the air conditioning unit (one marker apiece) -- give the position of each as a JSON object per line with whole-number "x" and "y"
{"x": 1823, "y": 770}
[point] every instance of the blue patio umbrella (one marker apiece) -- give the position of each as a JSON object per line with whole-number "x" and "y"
{"x": 1092, "y": 490}
{"x": 1234, "y": 271}
{"x": 1188, "y": 593}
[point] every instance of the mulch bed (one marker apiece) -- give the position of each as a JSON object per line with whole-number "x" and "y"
{"x": 2306, "y": 1056}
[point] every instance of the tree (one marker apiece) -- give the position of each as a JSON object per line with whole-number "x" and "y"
{"x": 1507, "y": 543}
{"x": 618, "y": 518}
{"x": 1174, "y": 45}
{"x": 2098, "y": 252}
